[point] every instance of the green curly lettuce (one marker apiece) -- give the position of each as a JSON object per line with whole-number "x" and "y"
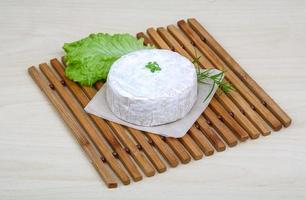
{"x": 89, "y": 60}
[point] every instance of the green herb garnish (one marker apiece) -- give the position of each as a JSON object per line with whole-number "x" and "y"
{"x": 205, "y": 76}
{"x": 89, "y": 60}
{"x": 153, "y": 66}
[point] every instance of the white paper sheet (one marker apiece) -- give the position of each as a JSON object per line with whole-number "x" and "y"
{"x": 98, "y": 106}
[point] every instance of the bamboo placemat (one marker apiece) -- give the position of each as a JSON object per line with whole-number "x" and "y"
{"x": 119, "y": 152}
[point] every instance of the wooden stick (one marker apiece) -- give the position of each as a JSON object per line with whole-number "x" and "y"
{"x": 77, "y": 130}
{"x": 146, "y": 40}
{"x": 220, "y": 127}
{"x": 164, "y": 149}
{"x": 201, "y": 140}
{"x": 240, "y": 72}
{"x": 241, "y": 134}
{"x": 192, "y": 147}
{"x": 224, "y": 99}
{"x": 161, "y": 44}
{"x": 210, "y": 134}
{"x": 86, "y": 124}
{"x": 105, "y": 130}
{"x": 244, "y": 91}
{"x": 179, "y": 149}
{"x": 160, "y": 144}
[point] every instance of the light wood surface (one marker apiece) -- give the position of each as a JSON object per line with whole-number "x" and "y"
{"x": 40, "y": 159}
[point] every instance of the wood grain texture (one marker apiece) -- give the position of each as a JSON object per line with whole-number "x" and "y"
{"x": 267, "y": 38}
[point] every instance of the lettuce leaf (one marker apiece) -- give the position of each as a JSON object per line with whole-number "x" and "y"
{"x": 89, "y": 60}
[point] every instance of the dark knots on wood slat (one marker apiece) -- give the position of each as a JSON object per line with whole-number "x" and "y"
{"x": 203, "y": 39}
{"x": 197, "y": 125}
{"x": 103, "y": 159}
{"x": 253, "y": 107}
{"x": 115, "y": 154}
{"x": 63, "y": 83}
{"x": 139, "y": 147}
{"x": 51, "y": 86}
{"x": 151, "y": 142}
{"x": 127, "y": 150}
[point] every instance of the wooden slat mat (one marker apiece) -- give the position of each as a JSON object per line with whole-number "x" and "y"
{"x": 125, "y": 154}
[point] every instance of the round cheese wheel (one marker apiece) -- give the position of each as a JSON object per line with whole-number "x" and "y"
{"x": 139, "y": 95}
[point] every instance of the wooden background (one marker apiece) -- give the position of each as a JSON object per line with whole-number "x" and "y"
{"x": 39, "y": 158}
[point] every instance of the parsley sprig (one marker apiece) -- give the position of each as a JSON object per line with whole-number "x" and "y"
{"x": 153, "y": 66}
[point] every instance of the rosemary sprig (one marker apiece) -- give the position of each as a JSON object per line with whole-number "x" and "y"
{"x": 204, "y": 76}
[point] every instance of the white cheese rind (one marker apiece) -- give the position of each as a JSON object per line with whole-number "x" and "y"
{"x": 138, "y": 96}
